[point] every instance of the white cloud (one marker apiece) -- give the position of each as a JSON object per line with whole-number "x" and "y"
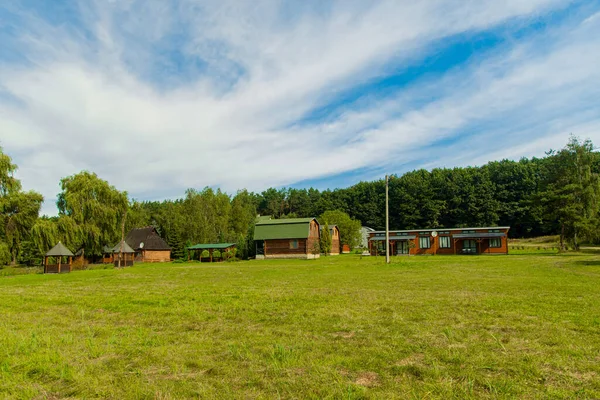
{"x": 103, "y": 103}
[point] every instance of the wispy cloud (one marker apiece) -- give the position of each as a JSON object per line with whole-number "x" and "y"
{"x": 160, "y": 96}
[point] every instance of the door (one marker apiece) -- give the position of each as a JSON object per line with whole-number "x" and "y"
{"x": 470, "y": 246}
{"x": 260, "y": 247}
{"x": 402, "y": 247}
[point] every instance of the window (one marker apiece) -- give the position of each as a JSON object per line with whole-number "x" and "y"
{"x": 444, "y": 242}
{"x": 424, "y": 242}
{"x": 494, "y": 230}
{"x": 468, "y": 231}
{"x": 293, "y": 244}
{"x": 495, "y": 242}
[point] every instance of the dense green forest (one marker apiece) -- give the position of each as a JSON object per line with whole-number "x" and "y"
{"x": 556, "y": 194}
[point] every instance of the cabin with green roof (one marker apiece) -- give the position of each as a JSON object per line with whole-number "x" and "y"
{"x": 287, "y": 238}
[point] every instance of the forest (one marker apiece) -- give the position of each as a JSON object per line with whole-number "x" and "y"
{"x": 553, "y": 195}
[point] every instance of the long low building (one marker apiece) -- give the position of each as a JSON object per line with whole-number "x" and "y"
{"x": 488, "y": 240}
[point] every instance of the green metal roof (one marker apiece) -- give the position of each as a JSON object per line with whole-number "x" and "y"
{"x": 290, "y": 228}
{"x": 208, "y": 246}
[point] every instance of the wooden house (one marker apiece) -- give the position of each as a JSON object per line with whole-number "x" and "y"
{"x": 490, "y": 240}
{"x": 287, "y": 238}
{"x": 336, "y": 244}
{"x": 148, "y": 245}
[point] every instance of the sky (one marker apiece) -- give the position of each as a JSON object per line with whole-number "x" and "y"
{"x": 158, "y": 96}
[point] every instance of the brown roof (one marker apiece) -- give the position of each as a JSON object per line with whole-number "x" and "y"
{"x": 146, "y": 238}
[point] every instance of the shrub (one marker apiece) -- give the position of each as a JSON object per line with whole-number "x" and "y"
{"x": 205, "y": 254}
{"x": 216, "y": 254}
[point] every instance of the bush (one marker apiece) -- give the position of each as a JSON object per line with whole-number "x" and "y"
{"x": 216, "y": 254}
{"x": 205, "y": 254}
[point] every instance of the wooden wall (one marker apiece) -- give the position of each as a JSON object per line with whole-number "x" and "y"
{"x": 282, "y": 246}
{"x": 314, "y": 235}
{"x": 156, "y": 255}
{"x": 335, "y": 242}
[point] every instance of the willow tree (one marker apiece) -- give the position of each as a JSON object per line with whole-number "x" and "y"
{"x": 92, "y": 210}
{"x": 18, "y": 210}
{"x": 44, "y": 234}
{"x": 8, "y": 182}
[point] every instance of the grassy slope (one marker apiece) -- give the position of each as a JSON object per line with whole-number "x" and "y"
{"x": 339, "y": 327}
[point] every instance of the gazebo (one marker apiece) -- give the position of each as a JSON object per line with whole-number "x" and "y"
{"x": 57, "y": 253}
{"x": 128, "y": 255}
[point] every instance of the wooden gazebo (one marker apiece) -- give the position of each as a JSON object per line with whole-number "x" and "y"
{"x": 58, "y": 253}
{"x": 128, "y": 254}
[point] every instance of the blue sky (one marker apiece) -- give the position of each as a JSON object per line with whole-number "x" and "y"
{"x": 158, "y": 96}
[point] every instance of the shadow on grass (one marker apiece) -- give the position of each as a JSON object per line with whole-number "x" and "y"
{"x": 588, "y": 263}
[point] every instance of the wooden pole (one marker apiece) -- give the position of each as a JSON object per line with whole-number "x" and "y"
{"x": 387, "y": 221}
{"x": 122, "y": 237}
{"x": 59, "y": 261}
{"x": 70, "y": 264}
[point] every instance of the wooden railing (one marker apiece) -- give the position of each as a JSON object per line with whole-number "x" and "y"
{"x": 53, "y": 268}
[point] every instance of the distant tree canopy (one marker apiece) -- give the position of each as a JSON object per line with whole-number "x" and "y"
{"x": 557, "y": 194}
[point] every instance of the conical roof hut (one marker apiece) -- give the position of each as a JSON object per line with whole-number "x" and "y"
{"x": 58, "y": 252}
{"x": 126, "y": 248}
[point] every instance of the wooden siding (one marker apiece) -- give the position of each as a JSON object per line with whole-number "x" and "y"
{"x": 313, "y": 237}
{"x": 335, "y": 242}
{"x": 283, "y": 246}
{"x": 156, "y": 255}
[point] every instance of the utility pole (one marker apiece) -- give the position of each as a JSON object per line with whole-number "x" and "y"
{"x": 387, "y": 221}
{"x": 122, "y": 238}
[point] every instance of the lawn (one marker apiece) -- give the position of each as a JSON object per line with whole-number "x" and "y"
{"x": 524, "y": 325}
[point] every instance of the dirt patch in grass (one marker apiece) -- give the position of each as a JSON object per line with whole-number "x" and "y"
{"x": 345, "y": 335}
{"x": 367, "y": 379}
{"x": 414, "y": 359}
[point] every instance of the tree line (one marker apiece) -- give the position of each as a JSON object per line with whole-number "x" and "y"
{"x": 553, "y": 195}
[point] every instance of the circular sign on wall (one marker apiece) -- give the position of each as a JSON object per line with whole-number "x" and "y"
{"x": 434, "y": 234}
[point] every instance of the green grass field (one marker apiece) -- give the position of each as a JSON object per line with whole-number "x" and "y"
{"x": 524, "y": 325}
